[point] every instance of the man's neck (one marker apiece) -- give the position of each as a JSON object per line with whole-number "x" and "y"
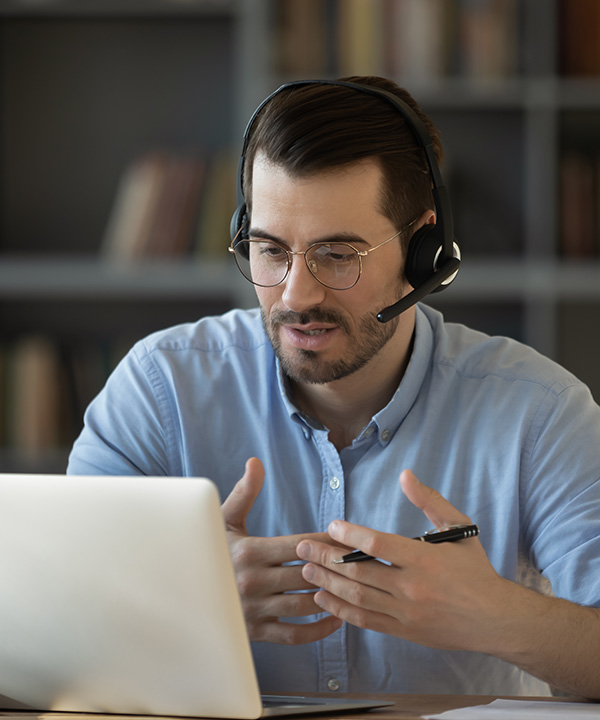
{"x": 346, "y": 406}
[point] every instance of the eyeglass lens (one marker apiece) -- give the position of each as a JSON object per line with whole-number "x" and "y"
{"x": 265, "y": 263}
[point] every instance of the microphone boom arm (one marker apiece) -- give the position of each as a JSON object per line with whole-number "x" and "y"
{"x": 449, "y": 268}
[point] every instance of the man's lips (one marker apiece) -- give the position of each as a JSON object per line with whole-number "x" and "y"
{"x": 313, "y": 336}
{"x": 312, "y": 329}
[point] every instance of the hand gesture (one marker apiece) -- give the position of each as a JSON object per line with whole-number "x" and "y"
{"x": 445, "y": 595}
{"x": 268, "y": 587}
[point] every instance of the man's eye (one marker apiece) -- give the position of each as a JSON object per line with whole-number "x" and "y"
{"x": 340, "y": 257}
{"x": 271, "y": 252}
{"x": 335, "y": 253}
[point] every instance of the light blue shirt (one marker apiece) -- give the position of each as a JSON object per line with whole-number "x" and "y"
{"x": 507, "y": 436}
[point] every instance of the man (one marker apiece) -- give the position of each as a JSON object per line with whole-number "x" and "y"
{"x": 327, "y": 408}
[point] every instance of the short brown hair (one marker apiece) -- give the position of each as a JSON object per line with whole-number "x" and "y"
{"x": 314, "y": 127}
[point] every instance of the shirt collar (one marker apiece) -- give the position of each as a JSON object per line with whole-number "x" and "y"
{"x": 305, "y": 421}
{"x": 388, "y": 420}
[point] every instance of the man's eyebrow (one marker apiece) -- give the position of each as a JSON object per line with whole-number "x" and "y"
{"x": 341, "y": 237}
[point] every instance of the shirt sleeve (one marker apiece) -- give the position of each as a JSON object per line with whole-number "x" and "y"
{"x": 561, "y": 494}
{"x": 128, "y": 427}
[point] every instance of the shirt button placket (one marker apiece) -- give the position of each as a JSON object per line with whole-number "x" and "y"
{"x": 333, "y": 670}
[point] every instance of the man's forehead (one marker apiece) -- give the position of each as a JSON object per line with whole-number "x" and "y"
{"x": 319, "y": 207}
{"x": 366, "y": 166}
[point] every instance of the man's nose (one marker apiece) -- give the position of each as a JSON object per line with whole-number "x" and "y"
{"x": 301, "y": 289}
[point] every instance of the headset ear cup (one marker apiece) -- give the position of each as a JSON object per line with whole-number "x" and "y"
{"x": 239, "y": 217}
{"x": 423, "y": 250}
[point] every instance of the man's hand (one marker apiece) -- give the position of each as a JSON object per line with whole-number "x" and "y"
{"x": 449, "y": 596}
{"x": 268, "y": 588}
{"x": 433, "y": 595}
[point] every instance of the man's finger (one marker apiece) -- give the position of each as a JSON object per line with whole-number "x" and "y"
{"x": 276, "y": 551}
{"x": 437, "y": 509}
{"x": 298, "y": 634}
{"x": 291, "y": 605}
{"x": 282, "y": 579}
{"x": 240, "y": 500}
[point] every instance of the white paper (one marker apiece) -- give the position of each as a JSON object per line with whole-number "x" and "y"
{"x": 521, "y": 710}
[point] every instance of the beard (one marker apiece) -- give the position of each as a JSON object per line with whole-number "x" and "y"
{"x": 307, "y": 366}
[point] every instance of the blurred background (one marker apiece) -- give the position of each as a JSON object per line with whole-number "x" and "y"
{"x": 120, "y": 130}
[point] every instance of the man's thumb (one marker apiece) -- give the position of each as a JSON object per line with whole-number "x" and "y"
{"x": 437, "y": 509}
{"x": 240, "y": 500}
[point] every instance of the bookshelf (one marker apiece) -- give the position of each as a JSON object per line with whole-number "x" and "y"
{"x": 537, "y": 274}
{"x": 87, "y": 88}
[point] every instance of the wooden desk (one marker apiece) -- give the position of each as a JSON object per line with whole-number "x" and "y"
{"x": 406, "y": 707}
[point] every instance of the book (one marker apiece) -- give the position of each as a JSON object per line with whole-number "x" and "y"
{"x": 578, "y": 199}
{"x": 300, "y": 38}
{"x": 417, "y": 38}
{"x": 131, "y": 216}
{"x": 155, "y": 211}
{"x": 218, "y": 205}
{"x": 579, "y": 37}
{"x": 36, "y": 391}
{"x": 488, "y": 38}
{"x": 360, "y": 37}
{"x": 175, "y": 214}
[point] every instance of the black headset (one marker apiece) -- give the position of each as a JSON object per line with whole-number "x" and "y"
{"x": 433, "y": 256}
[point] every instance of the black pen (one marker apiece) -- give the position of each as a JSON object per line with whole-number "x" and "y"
{"x": 445, "y": 534}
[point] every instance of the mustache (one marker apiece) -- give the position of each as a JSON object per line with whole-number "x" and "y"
{"x": 316, "y": 315}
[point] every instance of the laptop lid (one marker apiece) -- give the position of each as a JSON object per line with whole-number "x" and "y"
{"x": 119, "y": 596}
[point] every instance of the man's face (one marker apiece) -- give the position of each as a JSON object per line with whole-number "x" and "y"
{"x": 321, "y": 335}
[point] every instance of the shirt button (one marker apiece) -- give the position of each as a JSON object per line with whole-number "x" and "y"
{"x": 334, "y": 484}
{"x": 369, "y": 431}
{"x": 333, "y": 684}
{"x": 386, "y": 435}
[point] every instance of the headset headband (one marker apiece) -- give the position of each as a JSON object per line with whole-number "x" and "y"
{"x": 440, "y": 195}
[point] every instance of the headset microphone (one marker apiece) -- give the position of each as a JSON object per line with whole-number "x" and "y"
{"x": 440, "y": 276}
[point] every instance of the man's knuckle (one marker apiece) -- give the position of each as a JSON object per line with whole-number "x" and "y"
{"x": 375, "y": 546}
{"x": 247, "y": 582}
{"x": 243, "y": 553}
{"x": 359, "y": 619}
{"x": 297, "y": 604}
{"x": 356, "y": 594}
{"x": 291, "y": 634}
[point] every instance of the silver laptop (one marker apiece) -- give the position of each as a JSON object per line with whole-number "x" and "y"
{"x": 117, "y": 595}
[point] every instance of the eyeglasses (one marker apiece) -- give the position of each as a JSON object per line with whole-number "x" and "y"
{"x": 267, "y": 263}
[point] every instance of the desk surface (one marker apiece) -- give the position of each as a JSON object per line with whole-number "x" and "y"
{"x": 406, "y": 707}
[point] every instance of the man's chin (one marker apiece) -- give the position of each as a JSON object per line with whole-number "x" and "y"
{"x": 303, "y": 366}
{"x": 311, "y": 368}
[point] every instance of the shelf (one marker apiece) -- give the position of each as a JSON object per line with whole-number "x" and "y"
{"x": 488, "y": 279}
{"x": 115, "y": 8}
{"x": 579, "y": 93}
{"x": 84, "y": 279}
{"x": 526, "y": 280}
{"x": 542, "y": 92}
